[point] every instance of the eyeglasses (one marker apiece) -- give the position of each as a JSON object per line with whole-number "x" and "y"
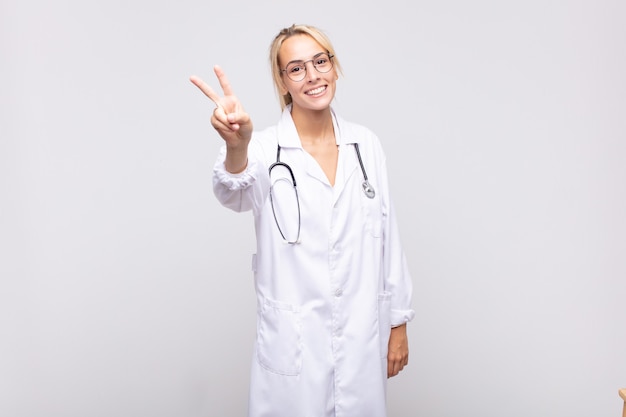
{"x": 296, "y": 70}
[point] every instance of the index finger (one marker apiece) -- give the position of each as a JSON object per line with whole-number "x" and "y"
{"x": 205, "y": 88}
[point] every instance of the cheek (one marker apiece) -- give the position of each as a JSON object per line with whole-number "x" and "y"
{"x": 283, "y": 88}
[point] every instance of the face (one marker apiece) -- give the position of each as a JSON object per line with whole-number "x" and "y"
{"x": 317, "y": 89}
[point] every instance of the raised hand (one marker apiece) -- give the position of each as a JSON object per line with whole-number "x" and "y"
{"x": 229, "y": 119}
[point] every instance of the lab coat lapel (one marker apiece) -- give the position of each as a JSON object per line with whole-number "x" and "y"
{"x": 288, "y": 138}
{"x": 347, "y": 165}
{"x": 346, "y": 168}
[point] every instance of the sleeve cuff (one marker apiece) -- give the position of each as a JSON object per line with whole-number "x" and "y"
{"x": 237, "y": 181}
{"x": 400, "y": 317}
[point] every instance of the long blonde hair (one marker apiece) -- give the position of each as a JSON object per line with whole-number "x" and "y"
{"x": 315, "y": 33}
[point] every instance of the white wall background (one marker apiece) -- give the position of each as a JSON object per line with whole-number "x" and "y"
{"x": 125, "y": 289}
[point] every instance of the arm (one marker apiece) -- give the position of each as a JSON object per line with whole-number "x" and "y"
{"x": 398, "y": 283}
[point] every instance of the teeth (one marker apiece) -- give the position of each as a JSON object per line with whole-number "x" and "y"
{"x": 316, "y": 91}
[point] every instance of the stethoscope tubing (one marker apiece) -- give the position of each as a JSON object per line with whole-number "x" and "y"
{"x": 295, "y": 188}
{"x": 368, "y": 190}
{"x": 367, "y": 187}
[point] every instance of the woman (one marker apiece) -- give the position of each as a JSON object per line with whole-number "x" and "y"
{"x": 332, "y": 284}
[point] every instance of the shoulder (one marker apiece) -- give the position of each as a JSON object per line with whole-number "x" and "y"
{"x": 352, "y": 132}
{"x": 367, "y": 139}
{"x": 350, "y": 128}
{"x": 264, "y": 138}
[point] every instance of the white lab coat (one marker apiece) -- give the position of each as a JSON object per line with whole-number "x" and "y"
{"x": 325, "y": 306}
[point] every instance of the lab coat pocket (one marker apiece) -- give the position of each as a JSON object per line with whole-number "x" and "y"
{"x": 279, "y": 338}
{"x": 384, "y": 322}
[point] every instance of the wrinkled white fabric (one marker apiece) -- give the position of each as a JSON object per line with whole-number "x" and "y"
{"x": 325, "y": 306}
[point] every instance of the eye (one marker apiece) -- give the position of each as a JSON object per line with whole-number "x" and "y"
{"x": 321, "y": 60}
{"x": 294, "y": 69}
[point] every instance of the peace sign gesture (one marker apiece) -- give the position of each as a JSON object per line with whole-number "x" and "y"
{"x": 229, "y": 118}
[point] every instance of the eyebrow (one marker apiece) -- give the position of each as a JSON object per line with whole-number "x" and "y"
{"x": 302, "y": 60}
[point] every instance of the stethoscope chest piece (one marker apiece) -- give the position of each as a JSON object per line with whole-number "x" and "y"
{"x": 368, "y": 190}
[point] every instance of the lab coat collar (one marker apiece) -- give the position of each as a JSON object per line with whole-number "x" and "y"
{"x": 288, "y": 134}
{"x": 344, "y": 135}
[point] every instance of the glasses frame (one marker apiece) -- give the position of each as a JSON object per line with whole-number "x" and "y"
{"x": 312, "y": 61}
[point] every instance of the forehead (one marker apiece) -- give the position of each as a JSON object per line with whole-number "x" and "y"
{"x": 299, "y": 48}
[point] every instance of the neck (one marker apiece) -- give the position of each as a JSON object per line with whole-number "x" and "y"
{"x": 314, "y": 127}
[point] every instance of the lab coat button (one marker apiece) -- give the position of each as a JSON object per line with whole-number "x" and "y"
{"x": 338, "y": 292}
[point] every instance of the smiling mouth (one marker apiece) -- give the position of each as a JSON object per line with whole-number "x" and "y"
{"x": 316, "y": 91}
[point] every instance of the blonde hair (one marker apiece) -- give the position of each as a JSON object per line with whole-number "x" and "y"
{"x": 313, "y": 32}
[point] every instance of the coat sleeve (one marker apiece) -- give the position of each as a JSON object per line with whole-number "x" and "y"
{"x": 244, "y": 191}
{"x": 397, "y": 277}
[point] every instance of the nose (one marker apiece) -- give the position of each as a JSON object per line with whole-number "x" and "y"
{"x": 311, "y": 72}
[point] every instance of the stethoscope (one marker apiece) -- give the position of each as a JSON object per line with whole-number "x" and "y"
{"x": 368, "y": 189}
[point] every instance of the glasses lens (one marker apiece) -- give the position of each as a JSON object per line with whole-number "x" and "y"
{"x": 323, "y": 63}
{"x": 296, "y": 71}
